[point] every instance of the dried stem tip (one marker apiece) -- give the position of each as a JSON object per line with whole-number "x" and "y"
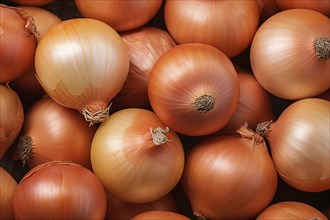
{"x": 322, "y": 48}
{"x": 204, "y": 103}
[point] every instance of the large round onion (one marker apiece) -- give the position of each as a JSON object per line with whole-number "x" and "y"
{"x": 8, "y": 187}
{"x": 82, "y": 64}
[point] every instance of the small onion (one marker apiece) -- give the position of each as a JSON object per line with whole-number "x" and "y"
{"x": 53, "y": 132}
{"x": 229, "y": 176}
{"x": 120, "y": 15}
{"x": 290, "y": 54}
{"x": 159, "y": 215}
{"x": 291, "y": 210}
{"x": 60, "y": 190}
{"x": 18, "y": 42}
{"x": 254, "y": 105}
{"x": 8, "y": 187}
{"x": 227, "y": 25}
{"x": 322, "y": 6}
{"x": 194, "y": 89}
{"x": 33, "y": 2}
{"x": 11, "y": 118}
{"x": 136, "y": 157}
{"x": 145, "y": 45}
{"x": 300, "y": 144}
{"x": 118, "y": 209}
{"x": 82, "y": 64}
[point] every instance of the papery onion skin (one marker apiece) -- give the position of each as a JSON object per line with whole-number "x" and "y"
{"x": 11, "y": 118}
{"x": 291, "y": 210}
{"x": 210, "y": 22}
{"x": 145, "y": 45}
{"x": 194, "y": 89}
{"x": 121, "y": 15}
{"x": 129, "y": 163}
{"x": 60, "y": 190}
{"x": 284, "y": 58}
{"x": 8, "y": 187}
{"x": 82, "y": 64}
{"x": 254, "y": 105}
{"x": 300, "y": 145}
{"x": 322, "y": 6}
{"x": 229, "y": 177}
{"x": 53, "y": 132}
{"x": 33, "y": 2}
{"x": 18, "y": 43}
{"x": 160, "y": 215}
{"x": 118, "y": 209}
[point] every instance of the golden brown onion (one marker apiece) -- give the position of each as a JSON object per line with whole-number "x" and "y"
{"x": 120, "y": 15}
{"x": 194, "y": 89}
{"x": 322, "y": 6}
{"x": 227, "y": 25}
{"x": 160, "y": 215}
{"x": 8, "y": 187}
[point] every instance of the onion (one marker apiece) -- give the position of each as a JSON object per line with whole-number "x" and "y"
{"x": 194, "y": 89}
{"x": 322, "y": 6}
{"x": 254, "y": 105}
{"x": 27, "y": 86}
{"x": 227, "y": 25}
{"x": 8, "y": 187}
{"x": 60, "y": 190}
{"x": 18, "y": 43}
{"x": 300, "y": 144}
{"x": 118, "y": 209}
{"x": 136, "y": 157}
{"x": 145, "y": 45}
{"x": 291, "y": 210}
{"x": 82, "y": 64}
{"x": 121, "y": 15}
{"x": 53, "y": 132}
{"x": 11, "y": 118}
{"x": 159, "y": 215}
{"x": 33, "y": 2}
{"x": 290, "y": 54}
{"x": 229, "y": 176}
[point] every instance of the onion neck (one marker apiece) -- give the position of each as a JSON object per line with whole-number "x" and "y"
{"x": 96, "y": 117}
{"x": 204, "y": 103}
{"x": 246, "y": 132}
{"x": 322, "y": 48}
{"x": 159, "y": 136}
{"x": 24, "y": 148}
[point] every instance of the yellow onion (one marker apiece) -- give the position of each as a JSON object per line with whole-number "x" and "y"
{"x": 145, "y": 45}
{"x": 8, "y": 187}
{"x": 291, "y": 210}
{"x": 11, "y": 118}
{"x": 300, "y": 144}
{"x": 229, "y": 176}
{"x": 290, "y": 54}
{"x": 227, "y": 25}
{"x": 322, "y": 6}
{"x": 136, "y": 157}
{"x": 82, "y": 64}
{"x": 121, "y": 15}
{"x": 160, "y": 215}
{"x": 194, "y": 89}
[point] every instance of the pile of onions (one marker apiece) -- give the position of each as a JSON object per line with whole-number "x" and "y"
{"x": 18, "y": 42}
{"x": 254, "y": 104}
{"x": 136, "y": 157}
{"x": 227, "y": 25}
{"x": 229, "y": 176}
{"x": 53, "y": 132}
{"x": 8, "y": 187}
{"x": 33, "y": 2}
{"x": 118, "y": 209}
{"x": 194, "y": 89}
{"x": 291, "y": 210}
{"x": 300, "y": 144}
{"x": 290, "y": 54}
{"x": 160, "y": 215}
{"x": 82, "y": 64}
{"x": 11, "y": 118}
{"x": 60, "y": 190}
{"x": 120, "y": 15}
{"x": 322, "y": 6}
{"x": 145, "y": 45}
{"x": 27, "y": 86}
